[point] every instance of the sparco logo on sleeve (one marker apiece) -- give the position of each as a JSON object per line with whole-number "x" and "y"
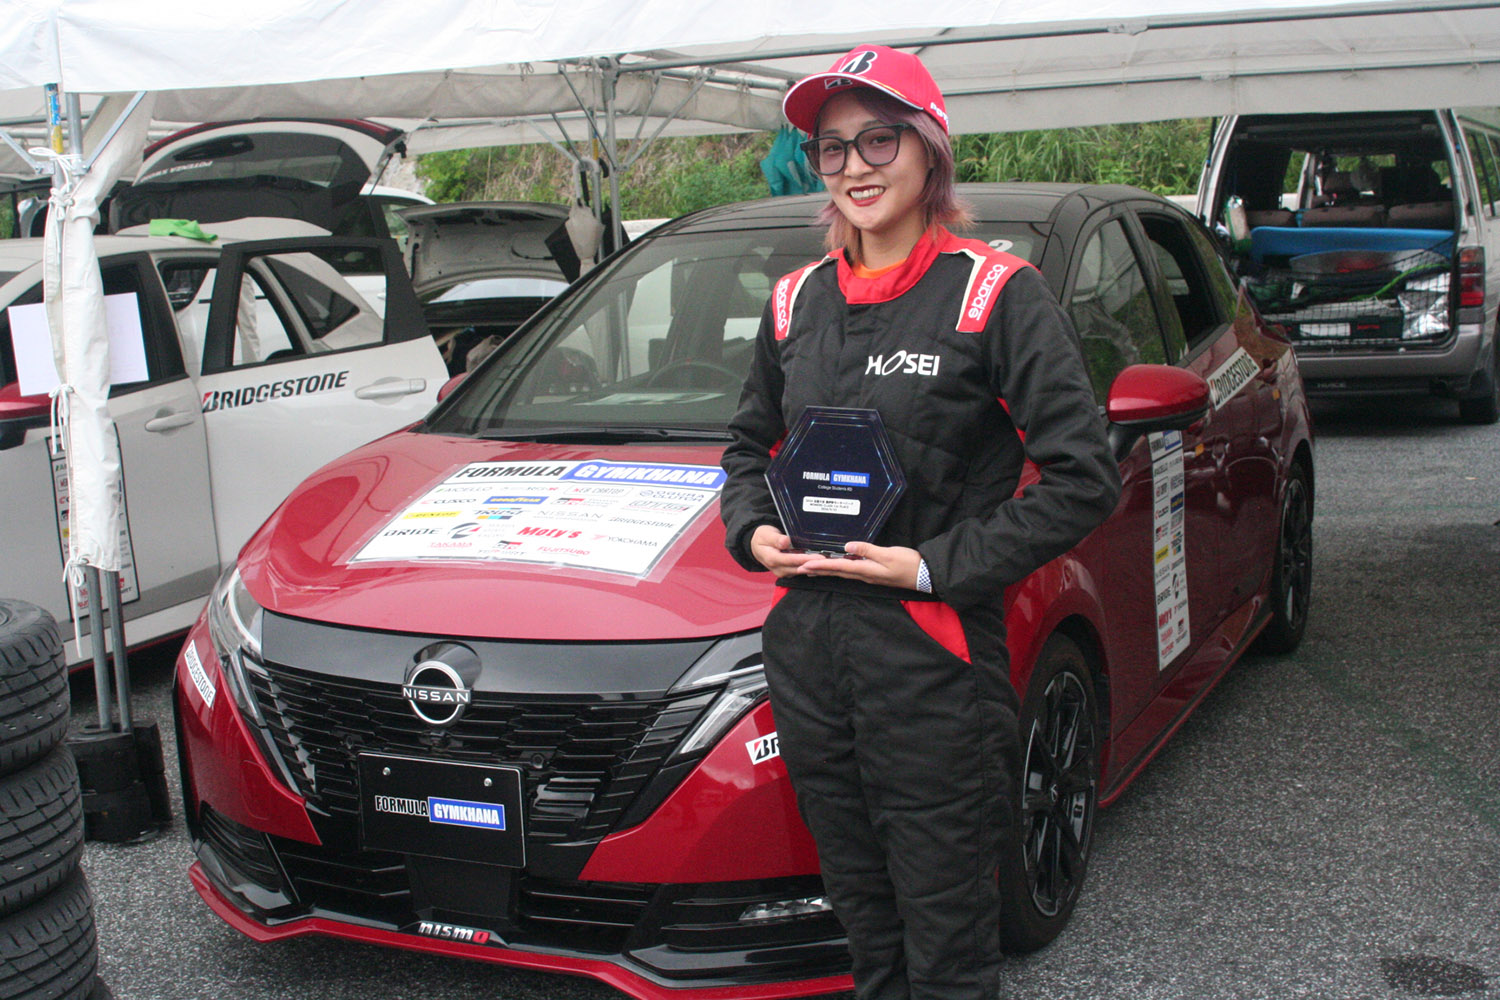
{"x": 985, "y": 290}
{"x": 783, "y": 304}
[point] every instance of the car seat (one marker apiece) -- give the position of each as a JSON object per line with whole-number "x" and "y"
{"x": 1422, "y": 215}
{"x": 1345, "y": 215}
{"x": 1270, "y": 217}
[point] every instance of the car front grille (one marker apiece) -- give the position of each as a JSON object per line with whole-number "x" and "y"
{"x": 584, "y": 759}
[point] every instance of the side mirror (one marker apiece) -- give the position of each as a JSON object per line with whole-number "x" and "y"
{"x": 450, "y": 385}
{"x": 1144, "y": 399}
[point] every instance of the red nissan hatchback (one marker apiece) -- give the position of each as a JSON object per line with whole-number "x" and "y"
{"x": 491, "y": 686}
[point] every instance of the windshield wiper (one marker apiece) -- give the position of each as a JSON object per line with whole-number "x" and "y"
{"x": 586, "y": 433}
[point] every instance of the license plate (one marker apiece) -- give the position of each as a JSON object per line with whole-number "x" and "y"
{"x": 441, "y": 809}
{"x": 1323, "y": 331}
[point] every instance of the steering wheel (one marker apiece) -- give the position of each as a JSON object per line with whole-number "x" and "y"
{"x": 658, "y": 378}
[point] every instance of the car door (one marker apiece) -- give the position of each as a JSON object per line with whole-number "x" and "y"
{"x": 1158, "y": 550}
{"x": 1238, "y": 468}
{"x": 167, "y": 536}
{"x": 297, "y": 368}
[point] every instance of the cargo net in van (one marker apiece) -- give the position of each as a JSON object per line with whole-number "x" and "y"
{"x": 1369, "y": 298}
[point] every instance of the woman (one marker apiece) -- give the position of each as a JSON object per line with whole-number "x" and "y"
{"x": 887, "y": 666}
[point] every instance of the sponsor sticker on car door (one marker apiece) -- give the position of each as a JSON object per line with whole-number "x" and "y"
{"x": 1168, "y": 545}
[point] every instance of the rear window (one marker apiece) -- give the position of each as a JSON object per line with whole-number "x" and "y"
{"x": 319, "y": 160}
{"x": 1284, "y": 167}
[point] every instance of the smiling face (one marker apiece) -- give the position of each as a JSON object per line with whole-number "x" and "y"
{"x": 883, "y": 203}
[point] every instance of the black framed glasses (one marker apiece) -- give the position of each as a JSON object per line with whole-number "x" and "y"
{"x": 877, "y": 145}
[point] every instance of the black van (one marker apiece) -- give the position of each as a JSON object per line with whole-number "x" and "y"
{"x": 1373, "y": 239}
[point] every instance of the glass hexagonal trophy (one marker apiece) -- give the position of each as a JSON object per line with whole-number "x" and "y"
{"x": 835, "y": 478}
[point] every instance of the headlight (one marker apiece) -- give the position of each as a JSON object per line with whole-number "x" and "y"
{"x": 234, "y": 621}
{"x": 736, "y": 664}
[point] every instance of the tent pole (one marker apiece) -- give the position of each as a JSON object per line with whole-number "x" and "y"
{"x": 75, "y": 125}
{"x": 96, "y": 639}
{"x": 118, "y": 123}
{"x": 117, "y": 640}
{"x": 612, "y": 152}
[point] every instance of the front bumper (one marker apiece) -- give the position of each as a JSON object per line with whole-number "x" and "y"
{"x": 614, "y": 974}
{"x": 656, "y": 908}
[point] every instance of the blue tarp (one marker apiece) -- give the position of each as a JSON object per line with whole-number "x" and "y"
{"x": 1280, "y": 241}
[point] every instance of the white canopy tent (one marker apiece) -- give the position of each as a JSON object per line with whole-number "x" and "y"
{"x": 499, "y": 71}
{"x": 463, "y": 72}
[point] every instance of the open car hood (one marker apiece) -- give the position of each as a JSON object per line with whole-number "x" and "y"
{"x": 450, "y": 244}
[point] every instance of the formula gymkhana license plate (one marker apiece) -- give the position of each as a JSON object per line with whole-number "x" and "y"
{"x": 466, "y": 812}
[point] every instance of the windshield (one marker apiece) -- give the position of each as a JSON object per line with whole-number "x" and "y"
{"x": 658, "y": 345}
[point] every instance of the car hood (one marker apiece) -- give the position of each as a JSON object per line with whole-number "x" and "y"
{"x": 312, "y": 558}
{"x": 447, "y": 244}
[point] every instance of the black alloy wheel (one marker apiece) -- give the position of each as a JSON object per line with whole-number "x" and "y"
{"x": 1044, "y": 860}
{"x": 1291, "y": 577}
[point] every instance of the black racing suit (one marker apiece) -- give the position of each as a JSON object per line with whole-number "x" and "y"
{"x": 895, "y": 711}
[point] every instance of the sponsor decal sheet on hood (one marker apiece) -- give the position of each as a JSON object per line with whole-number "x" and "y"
{"x": 613, "y": 516}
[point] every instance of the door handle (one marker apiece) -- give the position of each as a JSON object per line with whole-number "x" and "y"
{"x": 390, "y": 387}
{"x": 168, "y": 420}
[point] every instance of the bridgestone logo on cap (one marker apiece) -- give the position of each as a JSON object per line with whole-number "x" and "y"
{"x": 859, "y": 63}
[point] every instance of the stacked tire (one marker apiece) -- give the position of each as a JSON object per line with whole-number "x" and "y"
{"x": 47, "y": 945}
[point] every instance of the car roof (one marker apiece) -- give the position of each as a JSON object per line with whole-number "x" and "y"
{"x": 992, "y": 202}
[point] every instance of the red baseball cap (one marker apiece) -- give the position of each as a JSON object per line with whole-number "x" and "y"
{"x": 899, "y": 74}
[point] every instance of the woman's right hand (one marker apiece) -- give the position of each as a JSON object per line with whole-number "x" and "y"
{"x": 772, "y": 550}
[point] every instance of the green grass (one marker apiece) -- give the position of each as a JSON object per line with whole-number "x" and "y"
{"x": 681, "y": 175}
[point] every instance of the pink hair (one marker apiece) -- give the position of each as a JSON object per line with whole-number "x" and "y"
{"x": 939, "y": 202}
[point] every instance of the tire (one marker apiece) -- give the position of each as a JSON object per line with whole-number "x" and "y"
{"x": 1044, "y": 859}
{"x": 41, "y": 829}
{"x": 1484, "y": 406}
{"x": 33, "y": 685}
{"x": 1292, "y": 575}
{"x": 48, "y": 950}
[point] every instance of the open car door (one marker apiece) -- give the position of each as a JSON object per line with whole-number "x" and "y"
{"x": 298, "y": 367}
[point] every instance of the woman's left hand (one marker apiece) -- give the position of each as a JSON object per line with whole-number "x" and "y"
{"x": 893, "y": 566}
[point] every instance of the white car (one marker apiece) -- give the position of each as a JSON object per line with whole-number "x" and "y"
{"x": 259, "y": 362}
